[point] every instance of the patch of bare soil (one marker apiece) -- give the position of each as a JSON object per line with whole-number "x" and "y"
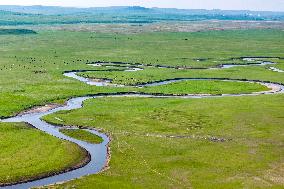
{"x": 276, "y": 174}
{"x": 40, "y": 109}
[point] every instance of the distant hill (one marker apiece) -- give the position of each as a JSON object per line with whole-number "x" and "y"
{"x": 53, "y": 10}
{"x": 17, "y": 15}
{"x": 2, "y": 12}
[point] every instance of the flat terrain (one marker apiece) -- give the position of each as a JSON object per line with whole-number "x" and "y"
{"x": 144, "y": 157}
{"x": 189, "y": 26}
{"x": 230, "y": 142}
{"x": 31, "y": 66}
{"x": 28, "y": 153}
{"x": 206, "y": 87}
{"x": 83, "y": 135}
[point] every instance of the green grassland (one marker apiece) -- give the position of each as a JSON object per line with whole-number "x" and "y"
{"x": 31, "y": 66}
{"x": 157, "y": 74}
{"x": 82, "y": 135}
{"x": 206, "y": 87}
{"x": 153, "y": 48}
{"x": 280, "y": 65}
{"x": 31, "y": 74}
{"x": 27, "y": 153}
{"x": 142, "y": 159}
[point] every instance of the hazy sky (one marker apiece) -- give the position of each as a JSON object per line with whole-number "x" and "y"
{"x": 274, "y": 5}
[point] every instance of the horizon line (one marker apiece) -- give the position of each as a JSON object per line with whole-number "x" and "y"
{"x": 88, "y": 7}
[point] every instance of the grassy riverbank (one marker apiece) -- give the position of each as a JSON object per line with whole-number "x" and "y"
{"x": 82, "y": 135}
{"x": 27, "y": 153}
{"x": 143, "y": 157}
{"x": 206, "y": 87}
{"x": 158, "y": 74}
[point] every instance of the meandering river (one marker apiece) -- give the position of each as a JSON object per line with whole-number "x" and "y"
{"x": 99, "y": 152}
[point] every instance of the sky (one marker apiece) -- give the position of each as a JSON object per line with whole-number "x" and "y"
{"x": 271, "y": 5}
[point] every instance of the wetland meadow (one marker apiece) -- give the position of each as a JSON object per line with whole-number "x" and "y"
{"x": 147, "y": 99}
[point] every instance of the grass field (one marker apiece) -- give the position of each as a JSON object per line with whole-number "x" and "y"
{"x": 83, "y": 135}
{"x": 31, "y": 66}
{"x": 206, "y": 87}
{"x": 157, "y": 74}
{"x": 143, "y": 159}
{"x": 27, "y": 153}
{"x": 142, "y": 156}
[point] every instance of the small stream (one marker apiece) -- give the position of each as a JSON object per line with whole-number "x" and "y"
{"x": 98, "y": 152}
{"x": 264, "y": 63}
{"x": 128, "y": 68}
{"x": 88, "y": 81}
{"x": 276, "y": 69}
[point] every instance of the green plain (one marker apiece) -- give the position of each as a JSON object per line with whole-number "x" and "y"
{"x": 31, "y": 74}
{"x": 82, "y": 135}
{"x": 140, "y": 158}
{"x": 27, "y": 153}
